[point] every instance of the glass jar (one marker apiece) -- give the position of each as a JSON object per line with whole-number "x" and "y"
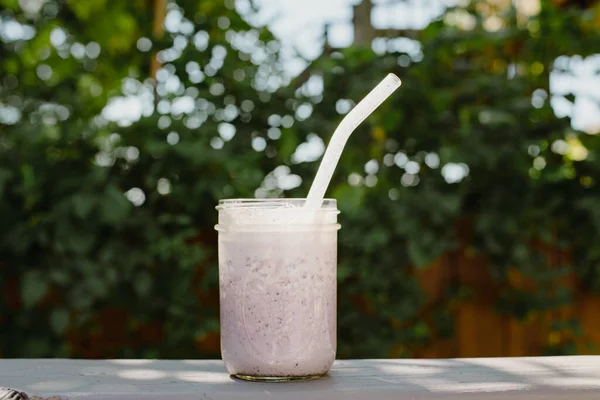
{"x": 277, "y": 282}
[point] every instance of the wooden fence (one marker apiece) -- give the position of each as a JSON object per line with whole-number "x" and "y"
{"x": 480, "y": 330}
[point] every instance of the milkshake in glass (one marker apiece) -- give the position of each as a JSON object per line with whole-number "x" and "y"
{"x": 277, "y": 274}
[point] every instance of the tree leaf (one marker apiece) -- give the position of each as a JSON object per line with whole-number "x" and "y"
{"x": 115, "y": 206}
{"x": 143, "y": 284}
{"x": 59, "y": 320}
{"x": 33, "y": 288}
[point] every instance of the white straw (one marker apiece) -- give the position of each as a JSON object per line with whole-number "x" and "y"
{"x": 334, "y": 150}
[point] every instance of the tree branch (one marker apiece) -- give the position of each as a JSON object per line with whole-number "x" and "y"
{"x": 158, "y": 29}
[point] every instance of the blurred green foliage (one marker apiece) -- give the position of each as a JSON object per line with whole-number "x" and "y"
{"x": 107, "y": 247}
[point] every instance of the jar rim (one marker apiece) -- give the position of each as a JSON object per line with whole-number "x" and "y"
{"x": 265, "y": 203}
{"x": 275, "y": 214}
{"x": 279, "y": 228}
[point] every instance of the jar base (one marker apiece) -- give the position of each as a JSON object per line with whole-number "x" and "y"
{"x": 253, "y": 378}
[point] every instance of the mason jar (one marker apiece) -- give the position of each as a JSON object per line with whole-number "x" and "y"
{"x": 277, "y": 283}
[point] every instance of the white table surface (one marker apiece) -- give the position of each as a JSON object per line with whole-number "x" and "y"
{"x": 571, "y": 378}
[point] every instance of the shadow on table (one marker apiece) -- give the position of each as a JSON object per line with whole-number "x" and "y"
{"x": 488, "y": 375}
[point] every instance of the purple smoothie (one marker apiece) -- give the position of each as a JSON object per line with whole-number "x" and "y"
{"x": 278, "y": 301}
